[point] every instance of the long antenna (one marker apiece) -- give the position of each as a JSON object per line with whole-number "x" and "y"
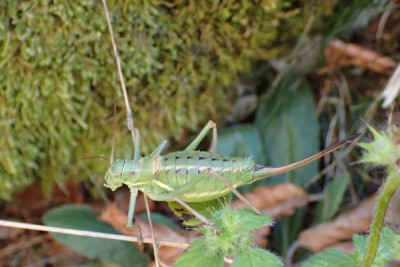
{"x": 129, "y": 119}
{"x": 121, "y": 76}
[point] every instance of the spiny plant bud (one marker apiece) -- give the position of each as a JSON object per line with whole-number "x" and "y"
{"x": 382, "y": 150}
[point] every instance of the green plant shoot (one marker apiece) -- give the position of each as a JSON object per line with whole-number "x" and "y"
{"x": 382, "y": 151}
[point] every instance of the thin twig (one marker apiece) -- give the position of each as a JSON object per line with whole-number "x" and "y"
{"x": 121, "y": 76}
{"x": 52, "y": 229}
{"x": 131, "y": 127}
{"x": 153, "y": 238}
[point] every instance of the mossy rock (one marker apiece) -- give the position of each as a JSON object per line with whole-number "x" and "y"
{"x": 179, "y": 58}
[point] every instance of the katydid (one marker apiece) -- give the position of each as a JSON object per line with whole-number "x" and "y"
{"x": 192, "y": 176}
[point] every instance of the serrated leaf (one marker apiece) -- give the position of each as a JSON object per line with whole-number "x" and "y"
{"x": 329, "y": 258}
{"x": 289, "y": 129}
{"x": 388, "y": 248}
{"x": 198, "y": 256}
{"x": 82, "y": 217}
{"x": 251, "y": 221}
{"x": 333, "y": 197}
{"x": 360, "y": 243}
{"x": 241, "y": 141}
{"x": 256, "y": 257}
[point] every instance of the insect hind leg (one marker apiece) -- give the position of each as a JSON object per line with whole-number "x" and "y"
{"x": 210, "y": 125}
{"x": 233, "y": 189}
{"x": 174, "y": 196}
{"x": 195, "y": 213}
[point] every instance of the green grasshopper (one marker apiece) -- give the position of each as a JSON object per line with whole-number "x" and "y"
{"x": 192, "y": 176}
{"x": 188, "y": 176}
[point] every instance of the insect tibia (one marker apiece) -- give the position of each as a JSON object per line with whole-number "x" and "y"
{"x": 261, "y": 172}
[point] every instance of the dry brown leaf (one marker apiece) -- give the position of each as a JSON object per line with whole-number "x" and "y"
{"x": 10, "y": 233}
{"x": 339, "y": 53}
{"x": 288, "y": 207}
{"x": 168, "y": 255}
{"x": 357, "y": 220}
{"x": 266, "y": 197}
{"x": 260, "y": 236}
{"x": 345, "y": 225}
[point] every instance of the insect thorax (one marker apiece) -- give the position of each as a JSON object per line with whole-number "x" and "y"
{"x": 137, "y": 173}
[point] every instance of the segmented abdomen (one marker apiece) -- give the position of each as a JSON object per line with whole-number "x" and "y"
{"x": 180, "y": 169}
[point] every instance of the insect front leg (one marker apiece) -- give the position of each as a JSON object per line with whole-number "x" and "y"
{"x": 137, "y": 144}
{"x": 210, "y": 125}
{"x": 131, "y": 210}
{"x": 233, "y": 189}
{"x": 134, "y": 192}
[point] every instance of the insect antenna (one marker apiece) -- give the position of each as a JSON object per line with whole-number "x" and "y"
{"x": 95, "y": 157}
{"x": 115, "y": 125}
{"x": 132, "y": 129}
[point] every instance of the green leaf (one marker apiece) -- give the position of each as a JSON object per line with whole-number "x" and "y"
{"x": 256, "y": 257}
{"x": 388, "y": 248}
{"x": 289, "y": 129}
{"x": 360, "y": 246}
{"x": 251, "y": 221}
{"x": 329, "y": 258}
{"x": 241, "y": 141}
{"x": 198, "y": 255}
{"x": 290, "y": 132}
{"x": 327, "y": 208}
{"x": 82, "y": 217}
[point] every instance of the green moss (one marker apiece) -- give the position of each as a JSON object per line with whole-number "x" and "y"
{"x": 58, "y": 76}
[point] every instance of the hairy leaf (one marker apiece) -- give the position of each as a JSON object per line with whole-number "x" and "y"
{"x": 257, "y": 257}
{"x": 251, "y": 221}
{"x": 329, "y": 258}
{"x": 199, "y": 255}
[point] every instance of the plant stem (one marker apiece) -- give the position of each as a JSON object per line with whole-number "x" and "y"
{"x": 386, "y": 192}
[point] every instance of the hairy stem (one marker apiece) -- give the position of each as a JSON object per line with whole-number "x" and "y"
{"x": 386, "y": 192}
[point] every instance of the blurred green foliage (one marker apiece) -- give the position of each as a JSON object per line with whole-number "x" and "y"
{"x": 107, "y": 252}
{"x": 179, "y": 59}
